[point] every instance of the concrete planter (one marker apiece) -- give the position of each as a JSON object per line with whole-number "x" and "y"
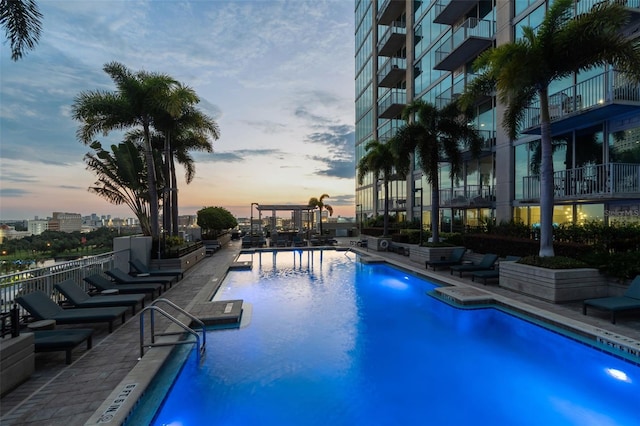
{"x": 379, "y": 243}
{"x": 553, "y": 285}
{"x": 423, "y": 254}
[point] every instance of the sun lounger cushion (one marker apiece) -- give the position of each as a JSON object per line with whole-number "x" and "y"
{"x": 62, "y": 340}
{"x": 102, "y": 284}
{"x": 630, "y": 300}
{"x": 454, "y": 259}
{"x": 140, "y": 268}
{"x": 41, "y": 307}
{"x": 488, "y": 261}
{"x": 80, "y": 299}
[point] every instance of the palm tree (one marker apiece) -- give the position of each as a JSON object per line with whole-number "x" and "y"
{"x": 320, "y": 204}
{"x": 122, "y": 178}
{"x": 183, "y": 129}
{"x": 434, "y": 135}
{"x": 562, "y": 45}
{"x": 138, "y": 98}
{"x": 22, "y": 22}
{"x": 379, "y": 159}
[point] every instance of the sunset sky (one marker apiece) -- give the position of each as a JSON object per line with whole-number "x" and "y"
{"x": 277, "y": 76}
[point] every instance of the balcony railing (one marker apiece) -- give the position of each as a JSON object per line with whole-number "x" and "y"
{"x": 395, "y": 204}
{"x": 465, "y": 43}
{"x": 392, "y": 72}
{"x": 392, "y": 103}
{"x": 449, "y": 11}
{"x": 608, "y": 88}
{"x": 390, "y": 10}
{"x": 467, "y": 196}
{"x": 593, "y": 182}
{"x": 393, "y": 39}
{"x": 43, "y": 279}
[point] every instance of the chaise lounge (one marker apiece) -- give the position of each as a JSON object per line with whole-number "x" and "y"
{"x": 62, "y": 340}
{"x": 101, "y": 283}
{"x": 141, "y": 270}
{"x": 455, "y": 259}
{"x": 488, "y": 261}
{"x": 629, "y": 301}
{"x": 121, "y": 277}
{"x": 80, "y": 299}
{"x": 491, "y": 274}
{"x": 41, "y": 307}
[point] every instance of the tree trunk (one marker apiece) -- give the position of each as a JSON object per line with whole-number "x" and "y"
{"x": 385, "y": 229}
{"x": 151, "y": 180}
{"x": 546, "y": 178}
{"x": 435, "y": 208}
{"x": 174, "y": 197}
{"x": 166, "y": 193}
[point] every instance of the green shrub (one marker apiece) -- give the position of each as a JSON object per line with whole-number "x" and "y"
{"x": 553, "y": 262}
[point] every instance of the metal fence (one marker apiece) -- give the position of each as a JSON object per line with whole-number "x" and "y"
{"x": 43, "y": 279}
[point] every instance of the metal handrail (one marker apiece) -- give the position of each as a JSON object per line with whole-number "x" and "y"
{"x": 152, "y": 309}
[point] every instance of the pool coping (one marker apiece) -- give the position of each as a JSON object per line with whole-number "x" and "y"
{"x": 124, "y": 399}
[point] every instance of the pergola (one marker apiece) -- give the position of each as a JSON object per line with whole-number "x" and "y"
{"x": 273, "y": 208}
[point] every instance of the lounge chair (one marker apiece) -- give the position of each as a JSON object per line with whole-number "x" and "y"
{"x": 455, "y": 259}
{"x": 141, "y": 269}
{"x": 41, "y": 307}
{"x": 488, "y": 262}
{"x": 630, "y": 300}
{"x": 101, "y": 283}
{"x": 80, "y": 299}
{"x": 491, "y": 274}
{"x": 62, "y": 340}
{"x": 122, "y": 277}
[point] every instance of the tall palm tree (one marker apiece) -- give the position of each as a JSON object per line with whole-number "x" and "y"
{"x": 379, "y": 159}
{"x": 434, "y": 135}
{"x": 183, "y": 129}
{"x": 22, "y": 21}
{"x": 320, "y": 204}
{"x": 562, "y": 45}
{"x": 138, "y": 98}
{"x": 122, "y": 178}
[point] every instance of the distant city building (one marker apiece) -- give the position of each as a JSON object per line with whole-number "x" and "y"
{"x": 37, "y": 226}
{"x": 65, "y": 222}
{"x": 9, "y": 232}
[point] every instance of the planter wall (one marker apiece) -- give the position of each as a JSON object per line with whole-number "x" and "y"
{"x": 553, "y": 285}
{"x": 422, "y": 254}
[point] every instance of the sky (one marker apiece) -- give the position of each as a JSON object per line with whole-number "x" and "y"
{"x": 277, "y": 76}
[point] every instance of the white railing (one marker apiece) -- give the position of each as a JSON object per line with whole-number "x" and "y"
{"x": 43, "y": 279}
{"x": 470, "y": 195}
{"x": 592, "y": 181}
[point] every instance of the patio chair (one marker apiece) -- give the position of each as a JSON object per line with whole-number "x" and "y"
{"x": 141, "y": 269}
{"x": 62, "y": 340}
{"x": 455, "y": 259}
{"x": 41, "y": 307}
{"x": 121, "y": 277}
{"x": 488, "y": 262}
{"x": 101, "y": 283}
{"x": 629, "y": 301}
{"x": 80, "y": 299}
{"x": 491, "y": 274}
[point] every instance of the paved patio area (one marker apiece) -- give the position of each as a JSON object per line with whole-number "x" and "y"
{"x": 70, "y": 394}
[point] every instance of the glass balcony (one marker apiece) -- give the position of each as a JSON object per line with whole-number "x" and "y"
{"x": 448, "y": 12}
{"x": 596, "y": 99}
{"x": 592, "y": 182}
{"x": 393, "y": 39}
{"x": 392, "y": 72}
{"x": 395, "y": 205}
{"x": 390, "y": 10}
{"x": 471, "y": 196}
{"x": 465, "y": 43}
{"x": 391, "y": 103}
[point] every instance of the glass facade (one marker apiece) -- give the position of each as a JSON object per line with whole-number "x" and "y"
{"x": 596, "y": 155}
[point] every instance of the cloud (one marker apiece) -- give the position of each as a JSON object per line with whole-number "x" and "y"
{"x": 336, "y": 168}
{"x": 13, "y": 192}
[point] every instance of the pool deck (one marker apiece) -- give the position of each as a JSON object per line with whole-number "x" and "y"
{"x": 102, "y": 384}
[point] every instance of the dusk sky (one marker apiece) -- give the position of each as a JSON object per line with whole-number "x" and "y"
{"x": 277, "y": 76}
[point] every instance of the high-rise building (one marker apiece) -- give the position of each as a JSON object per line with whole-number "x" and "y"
{"x": 407, "y": 50}
{"x": 65, "y": 222}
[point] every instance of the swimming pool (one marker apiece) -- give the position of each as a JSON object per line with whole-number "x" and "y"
{"x": 332, "y": 341}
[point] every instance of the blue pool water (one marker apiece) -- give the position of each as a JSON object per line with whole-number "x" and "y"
{"x": 332, "y": 341}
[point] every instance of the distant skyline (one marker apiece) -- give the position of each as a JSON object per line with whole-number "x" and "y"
{"x": 276, "y": 75}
